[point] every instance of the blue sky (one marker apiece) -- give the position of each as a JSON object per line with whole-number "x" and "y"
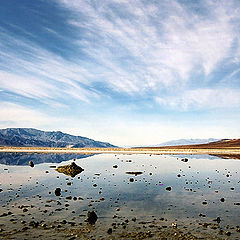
{"x": 124, "y": 71}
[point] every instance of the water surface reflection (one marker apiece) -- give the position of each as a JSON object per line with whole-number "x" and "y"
{"x": 167, "y": 190}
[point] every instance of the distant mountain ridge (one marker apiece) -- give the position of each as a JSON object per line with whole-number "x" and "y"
{"x": 186, "y": 142}
{"x": 30, "y": 137}
{"x": 223, "y": 143}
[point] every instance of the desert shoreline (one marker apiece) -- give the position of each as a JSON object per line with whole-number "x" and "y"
{"x": 175, "y": 151}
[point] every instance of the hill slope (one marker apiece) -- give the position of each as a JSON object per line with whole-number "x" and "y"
{"x": 224, "y": 143}
{"x": 30, "y": 137}
{"x": 185, "y": 142}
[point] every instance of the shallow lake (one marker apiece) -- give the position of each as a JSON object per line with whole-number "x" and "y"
{"x": 146, "y": 189}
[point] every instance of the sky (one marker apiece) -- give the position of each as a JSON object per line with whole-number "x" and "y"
{"x": 128, "y": 72}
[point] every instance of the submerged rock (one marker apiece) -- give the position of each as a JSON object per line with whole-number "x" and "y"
{"x": 71, "y": 170}
{"x": 92, "y": 217}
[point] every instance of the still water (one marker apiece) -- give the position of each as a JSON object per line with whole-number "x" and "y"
{"x": 188, "y": 193}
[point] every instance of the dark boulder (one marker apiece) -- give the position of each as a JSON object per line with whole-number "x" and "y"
{"x": 58, "y": 192}
{"x": 168, "y": 188}
{"x": 92, "y": 217}
{"x": 71, "y": 170}
{"x": 31, "y": 164}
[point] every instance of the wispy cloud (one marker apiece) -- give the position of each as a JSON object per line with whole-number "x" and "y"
{"x": 203, "y": 99}
{"x": 16, "y": 115}
{"x": 145, "y": 46}
{"x": 28, "y": 87}
{"x": 95, "y": 64}
{"x": 34, "y": 72}
{"x": 129, "y": 47}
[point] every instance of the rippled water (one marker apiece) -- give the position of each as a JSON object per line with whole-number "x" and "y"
{"x": 205, "y": 185}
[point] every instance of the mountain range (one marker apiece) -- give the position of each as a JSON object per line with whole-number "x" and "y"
{"x": 186, "y": 142}
{"x": 30, "y": 137}
{"x": 223, "y": 143}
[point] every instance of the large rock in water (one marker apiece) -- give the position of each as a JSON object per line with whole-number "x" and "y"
{"x": 71, "y": 170}
{"x": 92, "y": 217}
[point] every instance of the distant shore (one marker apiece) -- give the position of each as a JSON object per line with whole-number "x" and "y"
{"x": 156, "y": 151}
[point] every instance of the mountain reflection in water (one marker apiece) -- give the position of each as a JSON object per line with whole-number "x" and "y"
{"x": 22, "y": 159}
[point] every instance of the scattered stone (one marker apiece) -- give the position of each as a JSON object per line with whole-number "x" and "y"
{"x": 228, "y": 233}
{"x": 131, "y": 179}
{"x": 92, "y": 217}
{"x": 134, "y": 173}
{"x": 72, "y": 238}
{"x": 71, "y": 170}
{"x": 174, "y": 225}
{"x": 109, "y": 231}
{"x": 134, "y": 219}
{"x": 34, "y": 224}
{"x": 184, "y": 160}
{"x": 205, "y": 224}
{"x": 3, "y": 215}
{"x": 222, "y": 199}
{"x": 58, "y": 192}
{"x": 25, "y": 228}
{"x": 115, "y": 166}
{"x": 31, "y": 164}
{"x": 204, "y": 203}
{"x": 218, "y": 220}
{"x": 168, "y": 188}
{"x": 220, "y": 231}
